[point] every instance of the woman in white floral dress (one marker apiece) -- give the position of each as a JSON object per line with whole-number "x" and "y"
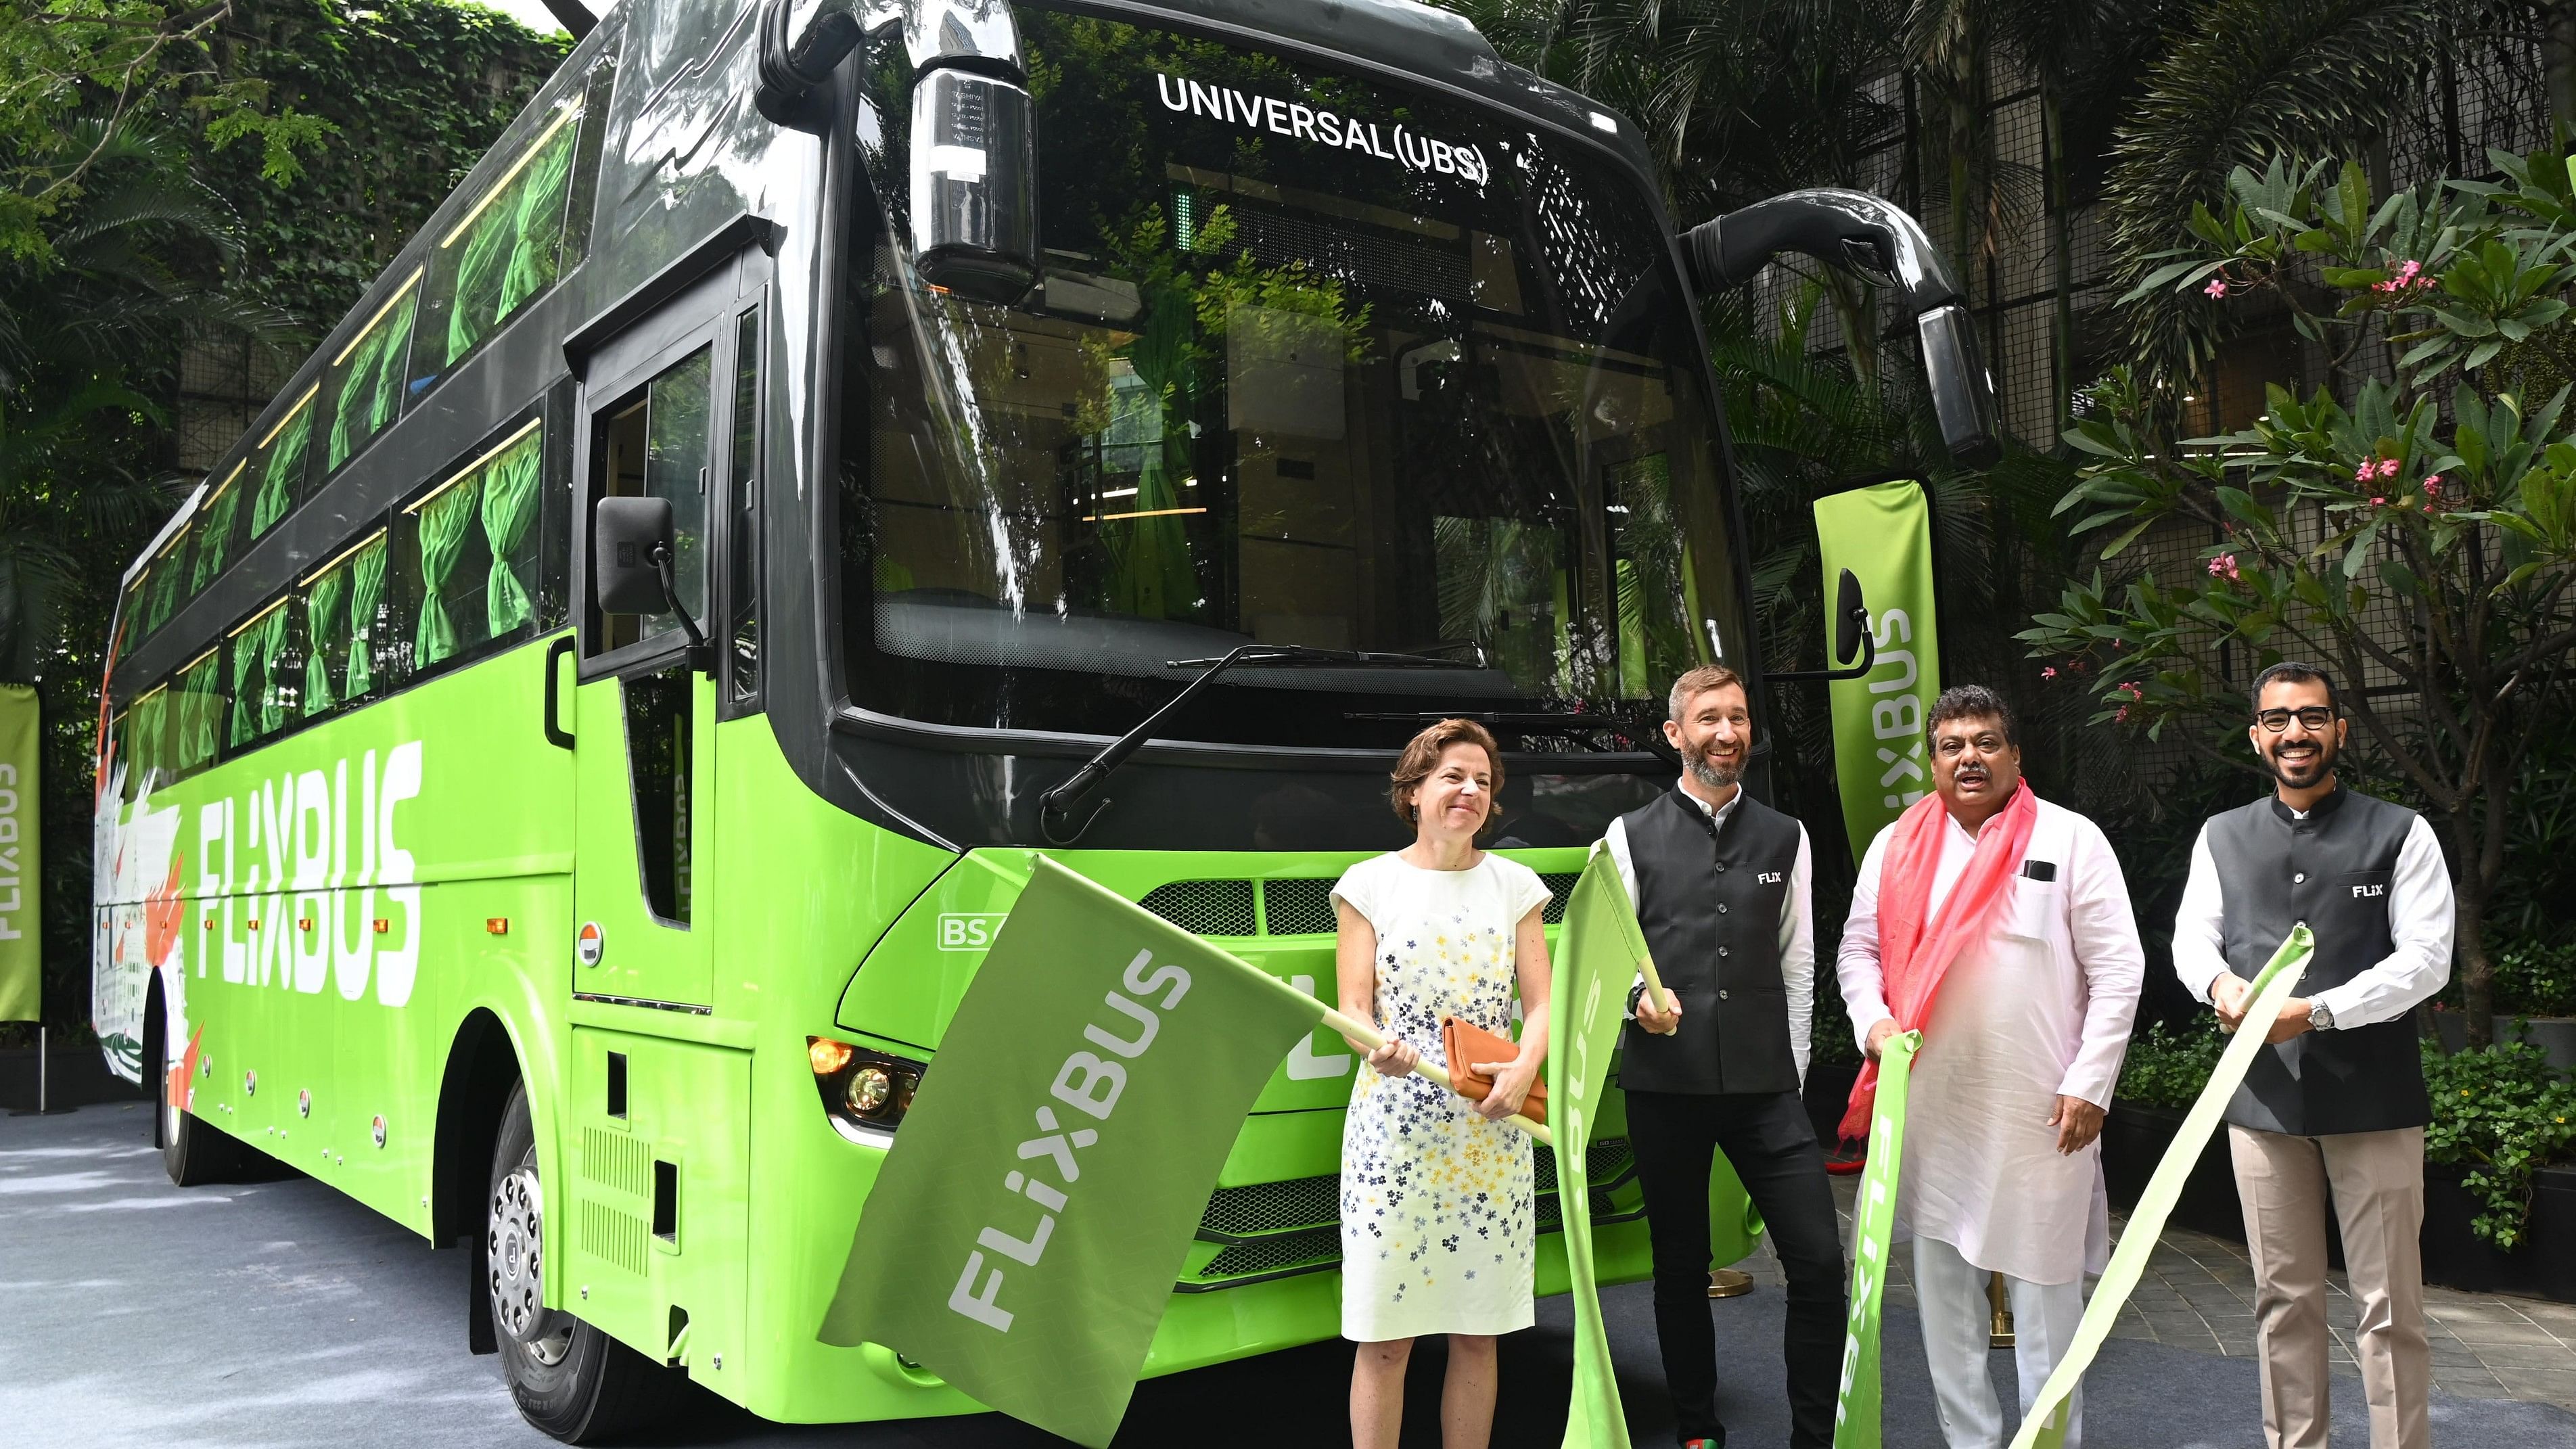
{"x": 1437, "y": 1228}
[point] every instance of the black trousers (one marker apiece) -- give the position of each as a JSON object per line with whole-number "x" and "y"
{"x": 1772, "y": 1146}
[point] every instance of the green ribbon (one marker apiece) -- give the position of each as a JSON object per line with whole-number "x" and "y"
{"x": 1857, "y": 1421}
{"x": 2045, "y": 1426}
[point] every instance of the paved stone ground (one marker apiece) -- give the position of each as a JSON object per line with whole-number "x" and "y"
{"x": 280, "y": 1315}
{"x": 2198, "y": 1295}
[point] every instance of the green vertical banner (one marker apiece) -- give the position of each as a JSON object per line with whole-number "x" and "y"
{"x": 1024, "y": 1234}
{"x": 1596, "y": 957}
{"x": 1856, "y": 1411}
{"x": 1883, "y": 534}
{"x": 21, "y": 856}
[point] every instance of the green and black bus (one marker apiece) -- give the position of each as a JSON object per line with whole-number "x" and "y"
{"x": 934, "y": 392}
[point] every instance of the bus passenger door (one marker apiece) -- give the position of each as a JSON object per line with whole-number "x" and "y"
{"x": 644, "y": 744}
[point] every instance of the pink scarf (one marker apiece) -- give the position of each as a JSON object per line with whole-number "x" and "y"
{"x": 1914, "y": 955}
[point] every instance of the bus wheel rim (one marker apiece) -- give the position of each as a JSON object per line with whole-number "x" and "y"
{"x": 513, "y": 1248}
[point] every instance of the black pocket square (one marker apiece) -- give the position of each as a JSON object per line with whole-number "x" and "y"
{"x": 2039, "y": 869}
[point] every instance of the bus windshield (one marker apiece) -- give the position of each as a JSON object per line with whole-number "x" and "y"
{"x": 1315, "y": 360}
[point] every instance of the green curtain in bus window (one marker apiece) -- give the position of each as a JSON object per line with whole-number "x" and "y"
{"x": 370, "y": 389}
{"x": 443, "y": 522}
{"x": 321, "y": 622}
{"x": 246, "y": 686}
{"x": 366, "y": 590}
{"x": 214, "y": 537}
{"x": 167, "y": 576}
{"x": 277, "y": 686}
{"x": 512, "y": 251}
{"x": 201, "y": 710}
{"x": 509, "y": 507}
{"x": 145, "y": 725}
{"x": 283, "y": 472}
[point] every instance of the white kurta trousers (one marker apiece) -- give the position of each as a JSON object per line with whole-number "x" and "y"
{"x": 1951, "y": 1294}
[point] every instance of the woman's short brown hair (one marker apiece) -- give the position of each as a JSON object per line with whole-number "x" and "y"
{"x": 1422, "y": 755}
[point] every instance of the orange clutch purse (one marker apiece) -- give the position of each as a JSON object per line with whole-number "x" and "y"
{"x": 1466, "y": 1045}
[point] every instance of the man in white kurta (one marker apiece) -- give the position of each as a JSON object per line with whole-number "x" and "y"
{"x": 2002, "y": 1169}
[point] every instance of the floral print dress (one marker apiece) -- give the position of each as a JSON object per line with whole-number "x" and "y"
{"x": 1437, "y": 1229}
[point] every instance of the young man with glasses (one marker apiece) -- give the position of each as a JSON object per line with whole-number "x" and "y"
{"x": 2336, "y": 1105}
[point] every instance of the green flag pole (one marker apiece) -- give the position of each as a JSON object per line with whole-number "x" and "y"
{"x": 2045, "y": 1426}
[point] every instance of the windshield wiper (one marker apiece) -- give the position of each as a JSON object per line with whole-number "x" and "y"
{"x": 1056, "y": 806}
{"x": 1646, "y": 734}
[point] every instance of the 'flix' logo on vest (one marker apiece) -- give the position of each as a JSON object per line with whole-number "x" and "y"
{"x": 2361, "y": 891}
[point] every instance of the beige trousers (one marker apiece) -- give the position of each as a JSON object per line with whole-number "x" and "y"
{"x": 2377, "y": 1179}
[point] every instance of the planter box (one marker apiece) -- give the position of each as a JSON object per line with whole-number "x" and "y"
{"x": 2454, "y": 1257}
{"x": 2134, "y": 1140}
{"x": 1828, "y": 1091}
{"x": 2555, "y": 1035}
{"x": 78, "y": 1078}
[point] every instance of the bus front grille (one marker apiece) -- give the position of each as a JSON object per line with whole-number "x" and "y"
{"x": 1274, "y": 1229}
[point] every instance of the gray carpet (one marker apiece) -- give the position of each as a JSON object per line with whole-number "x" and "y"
{"x": 282, "y": 1314}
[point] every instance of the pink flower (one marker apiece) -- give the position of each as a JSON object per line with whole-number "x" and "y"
{"x": 2123, "y": 715}
{"x": 2433, "y": 486}
{"x": 2132, "y": 690}
{"x": 2223, "y": 567}
{"x": 2217, "y": 287}
{"x": 2049, "y": 673}
{"x": 2377, "y": 502}
{"x": 2387, "y": 467}
{"x": 2367, "y": 471}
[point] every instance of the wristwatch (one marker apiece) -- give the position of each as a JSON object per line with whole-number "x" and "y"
{"x": 1636, "y": 994}
{"x": 2320, "y": 1016}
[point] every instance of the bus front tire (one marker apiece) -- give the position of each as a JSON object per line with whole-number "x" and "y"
{"x": 569, "y": 1379}
{"x": 194, "y": 1152}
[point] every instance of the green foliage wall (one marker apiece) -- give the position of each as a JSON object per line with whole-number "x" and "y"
{"x": 417, "y": 89}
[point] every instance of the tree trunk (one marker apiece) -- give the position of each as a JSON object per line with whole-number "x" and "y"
{"x": 2471, "y": 893}
{"x": 2061, "y": 245}
{"x": 2558, "y": 60}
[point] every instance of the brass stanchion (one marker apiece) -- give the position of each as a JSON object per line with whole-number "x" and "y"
{"x": 1999, "y": 1327}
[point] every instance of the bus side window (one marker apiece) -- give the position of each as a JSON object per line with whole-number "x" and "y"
{"x": 265, "y": 690}
{"x": 504, "y": 252}
{"x": 655, "y": 445}
{"x": 365, "y": 379}
{"x": 339, "y": 607}
{"x": 742, "y": 528}
{"x": 280, "y": 467}
{"x": 215, "y": 530}
{"x": 468, "y": 550}
{"x": 196, "y": 714}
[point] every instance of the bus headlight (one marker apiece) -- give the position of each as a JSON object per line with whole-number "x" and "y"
{"x": 865, "y": 1093}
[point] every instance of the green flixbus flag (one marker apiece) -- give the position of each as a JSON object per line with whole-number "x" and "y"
{"x": 1026, "y": 1228}
{"x": 1857, "y": 1421}
{"x": 1883, "y": 534}
{"x": 1597, "y": 953}
{"x": 2045, "y": 1426}
{"x": 21, "y": 856}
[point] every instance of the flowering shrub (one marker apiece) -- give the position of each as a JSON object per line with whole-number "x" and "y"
{"x": 2446, "y": 568}
{"x": 2506, "y": 1112}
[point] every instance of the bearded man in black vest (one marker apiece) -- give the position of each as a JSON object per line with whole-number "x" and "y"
{"x": 1720, "y": 883}
{"x": 2336, "y": 1103}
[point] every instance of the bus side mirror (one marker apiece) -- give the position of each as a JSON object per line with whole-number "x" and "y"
{"x": 1851, "y": 638}
{"x": 630, "y": 544}
{"x": 1963, "y": 394}
{"x": 974, "y": 184}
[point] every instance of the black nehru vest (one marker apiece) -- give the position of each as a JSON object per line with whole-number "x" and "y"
{"x": 1709, "y": 898}
{"x": 2332, "y": 871}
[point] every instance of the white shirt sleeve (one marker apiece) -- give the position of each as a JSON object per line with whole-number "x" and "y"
{"x": 1856, "y": 964}
{"x": 2199, "y": 942}
{"x": 1798, "y": 954}
{"x": 2105, "y": 934}
{"x": 2420, "y": 919}
{"x": 1615, "y": 840}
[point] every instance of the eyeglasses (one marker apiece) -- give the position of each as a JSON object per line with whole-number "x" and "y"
{"x": 2315, "y": 717}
